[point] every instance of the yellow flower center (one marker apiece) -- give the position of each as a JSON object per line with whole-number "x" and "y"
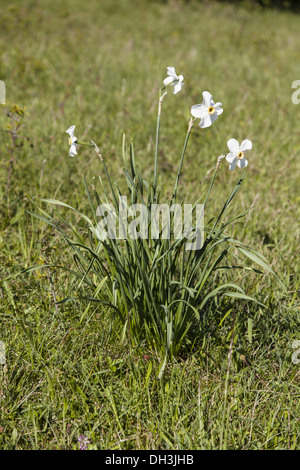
{"x": 70, "y": 141}
{"x": 211, "y": 110}
{"x": 240, "y": 155}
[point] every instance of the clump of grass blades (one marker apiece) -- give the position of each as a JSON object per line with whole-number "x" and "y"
{"x": 157, "y": 287}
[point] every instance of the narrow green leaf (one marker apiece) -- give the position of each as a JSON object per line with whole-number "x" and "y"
{"x": 59, "y": 203}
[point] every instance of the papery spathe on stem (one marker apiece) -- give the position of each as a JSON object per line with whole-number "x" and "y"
{"x": 220, "y": 158}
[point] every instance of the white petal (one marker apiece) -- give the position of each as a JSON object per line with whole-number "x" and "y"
{"x": 177, "y": 87}
{"x": 70, "y": 131}
{"x": 198, "y": 111}
{"x": 181, "y": 78}
{"x": 206, "y": 98}
{"x": 246, "y": 145}
{"x": 233, "y": 164}
{"x": 171, "y": 71}
{"x": 168, "y": 80}
{"x": 213, "y": 117}
{"x": 219, "y": 109}
{"x": 206, "y": 121}
{"x": 242, "y": 163}
{"x": 230, "y": 157}
{"x": 73, "y": 150}
{"x": 233, "y": 146}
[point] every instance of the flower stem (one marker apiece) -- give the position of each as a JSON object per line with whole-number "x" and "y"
{"x": 221, "y": 157}
{"x": 160, "y": 100}
{"x": 106, "y": 172}
{"x": 191, "y": 122}
{"x": 85, "y": 143}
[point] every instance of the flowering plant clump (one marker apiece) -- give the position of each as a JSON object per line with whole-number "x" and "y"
{"x": 158, "y": 286}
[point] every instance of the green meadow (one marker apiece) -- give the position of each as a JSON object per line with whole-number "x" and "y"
{"x": 70, "y": 369}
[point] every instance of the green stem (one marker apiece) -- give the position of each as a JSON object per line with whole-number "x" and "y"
{"x": 107, "y": 174}
{"x": 161, "y": 97}
{"x": 85, "y": 143}
{"x": 182, "y": 157}
{"x": 225, "y": 206}
{"x": 211, "y": 185}
{"x": 221, "y": 157}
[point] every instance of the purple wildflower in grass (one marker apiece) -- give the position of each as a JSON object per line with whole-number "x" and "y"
{"x": 83, "y": 442}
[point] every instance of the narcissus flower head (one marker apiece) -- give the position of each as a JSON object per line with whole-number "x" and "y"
{"x": 174, "y": 80}
{"x": 208, "y": 111}
{"x": 72, "y": 141}
{"x": 236, "y": 155}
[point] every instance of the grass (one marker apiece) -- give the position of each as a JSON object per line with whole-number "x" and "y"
{"x": 99, "y": 65}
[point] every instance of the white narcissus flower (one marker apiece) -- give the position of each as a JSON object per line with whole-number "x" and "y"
{"x": 72, "y": 141}
{"x": 236, "y": 154}
{"x": 174, "y": 80}
{"x": 208, "y": 111}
